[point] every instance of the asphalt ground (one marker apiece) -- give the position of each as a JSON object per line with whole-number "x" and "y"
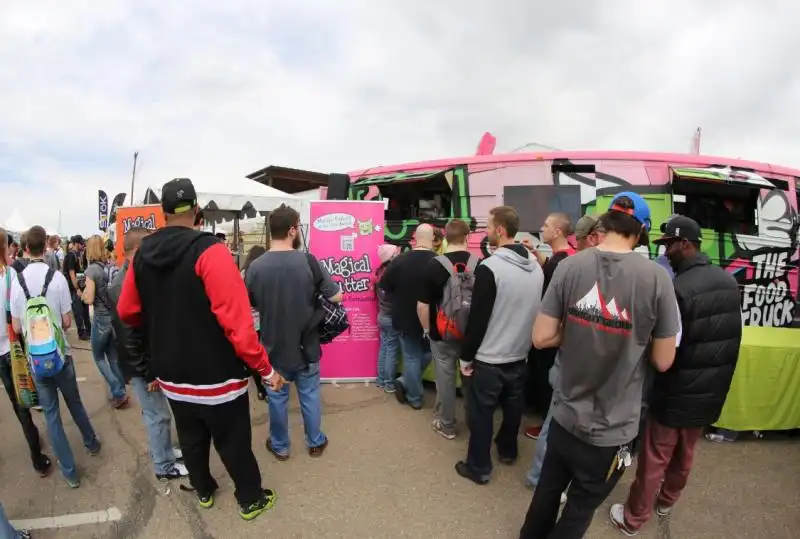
{"x": 386, "y": 474}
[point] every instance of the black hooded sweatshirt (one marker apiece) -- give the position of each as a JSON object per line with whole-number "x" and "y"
{"x": 186, "y": 294}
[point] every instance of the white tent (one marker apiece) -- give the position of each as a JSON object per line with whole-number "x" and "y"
{"x": 15, "y": 223}
{"x": 242, "y": 199}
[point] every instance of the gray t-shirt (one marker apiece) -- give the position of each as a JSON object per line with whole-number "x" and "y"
{"x": 611, "y": 305}
{"x": 97, "y": 273}
{"x": 281, "y": 288}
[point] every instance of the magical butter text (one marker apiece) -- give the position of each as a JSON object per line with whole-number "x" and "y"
{"x": 354, "y": 274}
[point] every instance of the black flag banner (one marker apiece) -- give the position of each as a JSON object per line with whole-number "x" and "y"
{"x": 118, "y": 201}
{"x": 102, "y": 210}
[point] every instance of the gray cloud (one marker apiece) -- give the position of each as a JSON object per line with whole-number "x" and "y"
{"x": 214, "y": 90}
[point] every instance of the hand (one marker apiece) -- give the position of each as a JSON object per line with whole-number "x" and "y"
{"x": 528, "y": 245}
{"x": 276, "y": 382}
{"x": 153, "y": 386}
{"x": 466, "y": 370}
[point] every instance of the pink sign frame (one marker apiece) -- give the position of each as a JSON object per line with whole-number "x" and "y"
{"x": 344, "y": 235}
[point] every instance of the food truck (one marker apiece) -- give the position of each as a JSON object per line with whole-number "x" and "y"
{"x": 748, "y": 210}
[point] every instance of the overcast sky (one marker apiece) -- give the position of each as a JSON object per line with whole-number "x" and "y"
{"x": 214, "y": 90}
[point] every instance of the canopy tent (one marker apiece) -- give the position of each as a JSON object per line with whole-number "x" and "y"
{"x": 15, "y": 223}
{"x": 237, "y": 200}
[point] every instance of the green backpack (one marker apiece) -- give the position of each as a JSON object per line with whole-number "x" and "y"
{"x": 44, "y": 338}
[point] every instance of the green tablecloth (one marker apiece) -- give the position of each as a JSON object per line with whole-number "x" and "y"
{"x": 765, "y": 393}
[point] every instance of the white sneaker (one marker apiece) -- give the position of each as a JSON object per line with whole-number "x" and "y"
{"x": 178, "y": 453}
{"x": 617, "y": 516}
{"x": 181, "y": 469}
{"x": 663, "y": 511}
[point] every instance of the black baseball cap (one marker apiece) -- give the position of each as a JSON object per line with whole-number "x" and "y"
{"x": 178, "y": 196}
{"x": 680, "y": 227}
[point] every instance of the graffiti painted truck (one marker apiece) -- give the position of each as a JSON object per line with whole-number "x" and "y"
{"x": 748, "y": 210}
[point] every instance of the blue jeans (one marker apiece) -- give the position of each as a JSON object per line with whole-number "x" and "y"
{"x": 308, "y": 392}
{"x": 158, "y": 422}
{"x": 387, "y": 355}
{"x": 416, "y": 358}
{"x": 104, "y": 350}
{"x": 541, "y": 449}
{"x": 48, "y": 398}
{"x": 7, "y": 531}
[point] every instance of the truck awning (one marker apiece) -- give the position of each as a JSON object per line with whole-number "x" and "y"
{"x": 387, "y": 179}
{"x": 726, "y": 174}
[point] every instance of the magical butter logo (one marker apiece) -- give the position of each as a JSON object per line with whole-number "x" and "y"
{"x": 334, "y": 222}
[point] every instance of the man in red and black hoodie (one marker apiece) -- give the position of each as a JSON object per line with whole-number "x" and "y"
{"x": 186, "y": 293}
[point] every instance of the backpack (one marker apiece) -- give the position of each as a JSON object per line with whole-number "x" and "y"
{"x": 110, "y": 271}
{"x": 44, "y": 338}
{"x": 101, "y": 292}
{"x": 329, "y": 318}
{"x": 451, "y": 320}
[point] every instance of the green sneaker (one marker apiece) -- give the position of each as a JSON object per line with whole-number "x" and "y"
{"x": 206, "y": 501}
{"x": 251, "y": 511}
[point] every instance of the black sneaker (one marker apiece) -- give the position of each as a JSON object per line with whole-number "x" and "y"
{"x": 206, "y": 501}
{"x": 464, "y": 471}
{"x": 95, "y": 450}
{"x": 251, "y": 511}
{"x": 42, "y": 465}
{"x": 400, "y": 391}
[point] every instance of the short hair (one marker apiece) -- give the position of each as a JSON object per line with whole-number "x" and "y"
{"x": 563, "y": 223}
{"x": 456, "y": 231}
{"x": 281, "y": 220}
{"x": 133, "y": 239}
{"x": 96, "y": 249}
{"x": 23, "y": 242}
{"x": 36, "y": 239}
{"x": 220, "y": 235}
{"x": 507, "y": 217}
{"x": 622, "y": 223}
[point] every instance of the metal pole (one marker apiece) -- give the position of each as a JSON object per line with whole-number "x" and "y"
{"x": 133, "y": 175}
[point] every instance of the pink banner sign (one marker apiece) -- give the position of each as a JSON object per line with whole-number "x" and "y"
{"x": 344, "y": 235}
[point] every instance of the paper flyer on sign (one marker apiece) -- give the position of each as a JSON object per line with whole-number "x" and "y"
{"x": 344, "y": 235}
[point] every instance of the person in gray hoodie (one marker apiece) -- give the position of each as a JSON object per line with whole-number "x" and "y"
{"x": 505, "y": 301}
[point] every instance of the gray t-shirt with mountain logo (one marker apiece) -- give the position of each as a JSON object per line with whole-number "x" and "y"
{"x": 611, "y": 305}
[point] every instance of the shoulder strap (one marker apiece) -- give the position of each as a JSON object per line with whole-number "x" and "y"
{"x": 24, "y": 285}
{"x": 445, "y": 262}
{"x": 313, "y": 263}
{"x": 472, "y": 263}
{"x": 47, "y": 279}
{"x": 8, "y": 288}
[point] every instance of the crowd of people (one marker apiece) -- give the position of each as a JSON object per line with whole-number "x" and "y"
{"x": 620, "y": 359}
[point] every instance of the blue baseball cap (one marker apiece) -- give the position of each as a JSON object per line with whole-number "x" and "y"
{"x": 640, "y": 211}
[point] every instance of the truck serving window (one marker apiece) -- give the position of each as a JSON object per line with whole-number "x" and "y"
{"x": 721, "y": 198}
{"x": 424, "y": 195}
{"x": 718, "y": 206}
